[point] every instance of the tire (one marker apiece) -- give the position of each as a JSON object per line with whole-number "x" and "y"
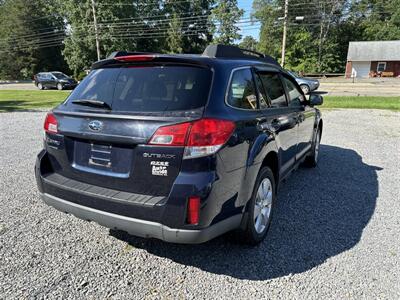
{"x": 255, "y": 229}
{"x": 305, "y": 88}
{"x": 40, "y": 86}
{"x": 60, "y": 87}
{"x": 312, "y": 160}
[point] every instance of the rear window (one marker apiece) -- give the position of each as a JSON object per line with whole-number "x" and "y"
{"x": 146, "y": 89}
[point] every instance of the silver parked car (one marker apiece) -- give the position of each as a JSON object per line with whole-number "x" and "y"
{"x": 307, "y": 84}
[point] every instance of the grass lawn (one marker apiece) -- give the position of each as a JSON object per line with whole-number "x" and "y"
{"x": 25, "y": 100}
{"x": 392, "y": 103}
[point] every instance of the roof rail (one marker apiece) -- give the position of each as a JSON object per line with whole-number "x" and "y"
{"x": 226, "y": 51}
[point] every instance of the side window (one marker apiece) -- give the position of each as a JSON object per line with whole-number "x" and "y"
{"x": 274, "y": 89}
{"x": 242, "y": 92}
{"x": 295, "y": 95}
{"x": 261, "y": 93}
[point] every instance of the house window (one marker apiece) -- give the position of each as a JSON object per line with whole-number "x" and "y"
{"x": 381, "y": 67}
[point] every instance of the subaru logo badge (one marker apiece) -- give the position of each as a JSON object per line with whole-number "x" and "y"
{"x": 96, "y": 125}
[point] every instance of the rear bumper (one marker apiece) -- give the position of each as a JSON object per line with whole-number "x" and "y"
{"x": 143, "y": 228}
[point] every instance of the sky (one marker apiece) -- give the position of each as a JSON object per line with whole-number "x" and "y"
{"x": 247, "y": 28}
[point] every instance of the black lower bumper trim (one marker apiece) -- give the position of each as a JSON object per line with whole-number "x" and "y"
{"x": 143, "y": 228}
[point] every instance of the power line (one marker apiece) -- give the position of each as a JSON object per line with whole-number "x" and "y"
{"x": 121, "y": 26}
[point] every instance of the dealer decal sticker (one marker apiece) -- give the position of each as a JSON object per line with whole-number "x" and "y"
{"x": 159, "y": 168}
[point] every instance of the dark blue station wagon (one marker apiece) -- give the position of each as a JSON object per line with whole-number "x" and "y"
{"x": 181, "y": 148}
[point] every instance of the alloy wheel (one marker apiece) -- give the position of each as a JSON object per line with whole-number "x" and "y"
{"x": 263, "y": 205}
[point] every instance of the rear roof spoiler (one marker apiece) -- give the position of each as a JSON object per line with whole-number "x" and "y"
{"x": 212, "y": 51}
{"x": 123, "y": 57}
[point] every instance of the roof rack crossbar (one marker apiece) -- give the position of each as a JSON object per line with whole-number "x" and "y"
{"x": 252, "y": 52}
{"x": 226, "y": 51}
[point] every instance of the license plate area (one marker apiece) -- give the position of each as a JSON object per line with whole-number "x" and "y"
{"x": 100, "y": 155}
{"x": 103, "y": 159}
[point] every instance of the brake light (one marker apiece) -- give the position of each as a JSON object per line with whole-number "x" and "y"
{"x": 135, "y": 58}
{"x": 193, "y": 210}
{"x": 200, "y": 138}
{"x": 174, "y": 135}
{"x": 50, "y": 123}
{"x": 210, "y": 132}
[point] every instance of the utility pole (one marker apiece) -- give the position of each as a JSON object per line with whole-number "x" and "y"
{"x": 285, "y": 21}
{"x": 96, "y": 32}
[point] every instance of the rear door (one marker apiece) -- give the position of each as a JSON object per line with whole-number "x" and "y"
{"x": 280, "y": 118}
{"x": 109, "y": 148}
{"x": 305, "y": 116}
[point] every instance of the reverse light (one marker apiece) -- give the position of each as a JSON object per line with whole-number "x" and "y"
{"x": 200, "y": 138}
{"x": 134, "y": 58}
{"x": 50, "y": 123}
{"x": 193, "y": 210}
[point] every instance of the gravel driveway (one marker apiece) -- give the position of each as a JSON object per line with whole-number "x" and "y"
{"x": 335, "y": 233}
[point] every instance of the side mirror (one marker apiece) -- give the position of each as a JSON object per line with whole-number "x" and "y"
{"x": 315, "y": 100}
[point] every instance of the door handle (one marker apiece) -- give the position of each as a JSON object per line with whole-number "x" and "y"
{"x": 273, "y": 126}
{"x": 263, "y": 126}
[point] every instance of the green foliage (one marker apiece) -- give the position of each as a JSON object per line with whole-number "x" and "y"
{"x": 380, "y": 19}
{"x": 81, "y": 75}
{"x": 196, "y": 23}
{"x": 173, "y": 26}
{"x": 320, "y": 42}
{"x": 20, "y": 57}
{"x": 249, "y": 43}
{"x": 174, "y": 38}
{"x": 80, "y": 47}
{"x": 46, "y": 35}
{"x": 225, "y": 16}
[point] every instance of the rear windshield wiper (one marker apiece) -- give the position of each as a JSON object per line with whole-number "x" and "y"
{"x": 95, "y": 103}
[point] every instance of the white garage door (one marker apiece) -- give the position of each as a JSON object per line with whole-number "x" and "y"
{"x": 361, "y": 68}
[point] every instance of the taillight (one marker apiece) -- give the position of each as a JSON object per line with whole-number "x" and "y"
{"x": 51, "y": 124}
{"x": 207, "y": 136}
{"x": 193, "y": 210}
{"x": 174, "y": 135}
{"x": 200, "y": 138}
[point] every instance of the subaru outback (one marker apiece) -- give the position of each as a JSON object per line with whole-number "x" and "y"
{"x": 181, "y": 148}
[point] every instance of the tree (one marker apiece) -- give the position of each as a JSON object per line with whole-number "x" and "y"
{"x": 380, "y": 19}
{"x": 174, "y": 38}
{"x": 115, "y": 25}
{"x": 134, "y": 26}
{"x": 196, "y": 22}
{"x": 319, "y": 42}
{"x": 225, "y": 16}
{"x": 24, "y": 45}
{"x": 249, "y": 43}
